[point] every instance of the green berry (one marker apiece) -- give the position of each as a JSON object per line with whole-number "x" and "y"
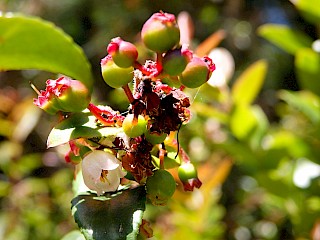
{"x": 160, "y": 32}
{"x": 187, "y": 171}
{"x": 160, "y": 187}
{"x": 197, "y": 72}
{"x": 175, "y": 61}
{"x": 134, "y": 127}
{"x": 114, "y": 75}
{"x": 155, "y": 138}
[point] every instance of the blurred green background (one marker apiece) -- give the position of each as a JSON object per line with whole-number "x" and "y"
{"x": 255, "y": 132}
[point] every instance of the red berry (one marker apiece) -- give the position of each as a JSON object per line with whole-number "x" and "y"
{"x": 123, "y": 53}
{"x": 114, "y": 75}
{"x": 160, "y": 32}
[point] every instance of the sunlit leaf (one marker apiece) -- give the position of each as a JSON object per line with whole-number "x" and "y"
{"x": 310, "y": 9}
{"x": 307, "y": 63}
{"x": 248, "y": 85}
{"x": 113, "y": 216}
{"x": 76, "y": 126}
{"x": 305, "y": 101}
{"x": 32, "y": 43}
{"x": 284, "y": 37}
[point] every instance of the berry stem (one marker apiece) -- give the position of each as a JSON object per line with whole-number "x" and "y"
{"x": 128, "y": 93}
{"x": 162, "y": 153}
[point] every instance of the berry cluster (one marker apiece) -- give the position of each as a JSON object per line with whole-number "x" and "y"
{"x": 158, "y": 107}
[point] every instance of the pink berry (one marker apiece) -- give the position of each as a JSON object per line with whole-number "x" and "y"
{"x": 197, "y": 72}
{"x": 123, "y": 53}
{"x": 160, "y": 32}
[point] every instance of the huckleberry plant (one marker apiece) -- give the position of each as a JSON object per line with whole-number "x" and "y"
{"x": 135, "y": 145}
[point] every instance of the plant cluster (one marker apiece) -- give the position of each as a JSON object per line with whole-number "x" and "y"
{"x": 119, "y": 150}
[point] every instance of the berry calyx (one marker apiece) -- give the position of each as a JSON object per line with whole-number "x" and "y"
{"x": 160, "y": 187}
{"x": 134, "y": 127}
{"x": 114, "y": 75}
{"x": 123, "y": 53}
{"x": 160, "y": 32}
{"x": 197, "y": 72}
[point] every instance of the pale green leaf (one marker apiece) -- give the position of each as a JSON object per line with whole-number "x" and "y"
{"x": 248, "y": 85}
{"x": 307, "y": 63}
{"x": 284, "y": 37}
{"x": 32, "y": 43}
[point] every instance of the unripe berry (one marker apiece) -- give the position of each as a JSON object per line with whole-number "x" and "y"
{"x": 187, "y": 171}
{"x": 160, "y": 32}
{"x": 123, "y": 53}
{"x": 160, "y": 187}
{"x": 114, "y": 75}
{"x": 175, "y": 61}
{"x": 197, "y": 72}
{"x": 155, "y": 138}
{"x": 73, "y": 95}
{"x": 134, "y": 127}
{"x": 63, "y": 94}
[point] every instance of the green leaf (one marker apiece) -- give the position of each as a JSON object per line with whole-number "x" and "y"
{"x": 287, "y": 39}
{"x": 307, "y": 63}
{"x": 32, "y": 43}
{"x": 113, "y": 216}
{"x": 79, "y": 125}
{"x": 305, "y": 101}
{"x": 248, "y": 85}
{"x": 310, "y": 9}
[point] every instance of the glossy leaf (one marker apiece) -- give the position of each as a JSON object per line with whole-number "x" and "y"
{"x": 76, "y": 126}
{"x": 113, "y": 216}
{"x": 307, "y": 63}
{"x": 248, "y": 85}
{"x": 284, "y": 37}
{"x": 310, "y": 9}
{"x": 32, "y": 43}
